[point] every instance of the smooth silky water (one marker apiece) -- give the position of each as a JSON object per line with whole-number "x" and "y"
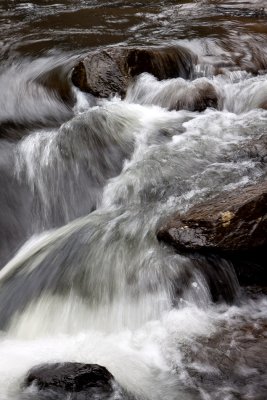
{"x": 86, "y": 184}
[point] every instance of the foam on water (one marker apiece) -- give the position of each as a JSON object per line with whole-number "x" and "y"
{"x": 150, "y": 362}
{"x": 138, "y": 359}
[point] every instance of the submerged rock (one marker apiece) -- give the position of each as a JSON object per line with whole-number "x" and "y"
{"x": 253, "y": 149}
{"x": 92, "y": 379}
{"x": 174, "y": 94}
{"x": 233, "y": 365}
{"x": 233, "y": 225}
{"x": 109, "y": 72}
{"x": 203, "y": 95}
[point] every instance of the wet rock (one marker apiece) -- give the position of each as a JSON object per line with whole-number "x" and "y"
{"x": 233, "y": 225}
{"x": 174, "y": 94}
{"x": 69, "y": 377}
{"x": 110, "y": 71}
{"x": 250, "y": 266}
{"x": 255, "y": 149}
{"x": 257, "y": 61}
{"x": 250, "y": 57}
{"x": 230, "y": 222}
{"x": 207, "y": 97}
{"x": 219, "y": 275}
{"x": 58, "y": 83}
{"x": 233, "y": 364}
{"x": 254, "y": 292}
{"x": 38, "y": 94}
{"x": 200, "y": 97}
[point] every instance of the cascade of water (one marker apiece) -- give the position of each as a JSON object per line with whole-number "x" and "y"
{"x": 93, "y": 181}
{"x": 107, "y": 271}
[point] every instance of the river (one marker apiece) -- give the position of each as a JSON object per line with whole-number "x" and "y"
{"x": 85, "y": 184}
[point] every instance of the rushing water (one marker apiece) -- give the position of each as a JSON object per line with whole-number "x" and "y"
{"x": 85, "y": 185}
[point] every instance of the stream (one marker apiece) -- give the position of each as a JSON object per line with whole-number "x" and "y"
{"x": 86, "y": 183}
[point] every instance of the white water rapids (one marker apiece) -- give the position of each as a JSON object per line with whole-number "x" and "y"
{"x": 101, "y": 289}
{"x": 85, "y": 185}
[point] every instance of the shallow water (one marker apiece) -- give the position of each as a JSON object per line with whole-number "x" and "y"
{"x": 86, "y": 184}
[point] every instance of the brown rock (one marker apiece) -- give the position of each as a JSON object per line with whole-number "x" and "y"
{"x": 110, "y": 71}
{"x": 175, "y": 95}
{"x": 230, "y": 222}
{"x": 233, "y": 364}
{"x": 199, "y": 96}
{"x": 232, "y": 226}
{"x": 255, "y": 149}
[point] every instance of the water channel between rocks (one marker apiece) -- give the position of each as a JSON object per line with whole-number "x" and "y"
{"x": 86, "y": 183}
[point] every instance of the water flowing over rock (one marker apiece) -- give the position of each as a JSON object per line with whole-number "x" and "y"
{"x": 109, "y": 72}
{"x": 232, "y": 224}
{"x": 84, "y": 153}
{"x": 174, "y": 94}
{"x": 69, "y": 378}
{"x": 38, "y": 94}
{"x": 171, "y": 114}
{"x": 256, "y": 149}
{"x": 241, "y": 350}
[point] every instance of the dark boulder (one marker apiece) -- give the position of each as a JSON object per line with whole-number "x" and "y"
{"x": 110, "y": 71}
{"x": 232, "y": 225}
{"x": 92, "y": 379}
